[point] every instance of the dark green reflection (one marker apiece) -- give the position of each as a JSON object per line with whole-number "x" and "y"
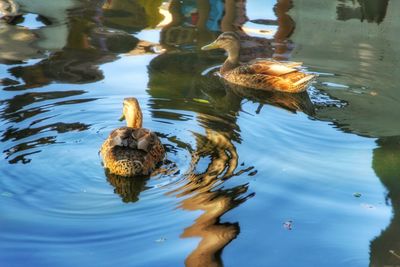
{"x": 369, "y": 10}
{"x": 386, "y": 164}
{"x": 131, "y": 16}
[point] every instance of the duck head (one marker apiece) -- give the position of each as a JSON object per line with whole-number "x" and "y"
{"x": 132, "y": 113}
{"x": 229, "y": 41}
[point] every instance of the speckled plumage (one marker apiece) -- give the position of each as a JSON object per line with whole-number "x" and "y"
{"x": 130, "y": 151}
{"x": 266, "y": 75}
{"x": 259, "y": 74}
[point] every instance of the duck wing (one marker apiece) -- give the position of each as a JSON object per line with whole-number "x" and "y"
{"x": 132, "y": 138}
{"x": 289, "y": 64}
{"x": 273, "y": 68}
{"x": 131, "y": 151}
{"x": 270, "y": 75}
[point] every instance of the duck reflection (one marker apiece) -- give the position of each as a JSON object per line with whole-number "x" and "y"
{"x": 16, "y": 44}
{"x": 204, "y": 191}
{"x": 194, "y": 23}
{"x": 385, "y": 249}
{"x": 176, "y": 83}
{"x": 172, "y": 89}
{"x": 127, "y": 188}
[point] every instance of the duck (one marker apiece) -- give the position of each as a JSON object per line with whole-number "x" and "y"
{"x": 261, "y": 74}
{"x": 132, "y": 150}
{"x": 9, "y": 10}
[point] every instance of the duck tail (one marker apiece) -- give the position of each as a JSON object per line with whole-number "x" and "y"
{"x": 293, "y": 64}
{"x": 304, "y": 81}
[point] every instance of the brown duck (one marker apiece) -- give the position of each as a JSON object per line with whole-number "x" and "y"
{"x": 132, "y": 150}
{"x": 259, "y": 74}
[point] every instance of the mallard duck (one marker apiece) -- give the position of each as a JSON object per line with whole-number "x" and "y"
{"x": 259, "y": 74}
{"x": 132, "y": 150}
{"x": 9, "y": 10}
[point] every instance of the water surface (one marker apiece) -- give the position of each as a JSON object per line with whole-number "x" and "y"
{"x": 252, "y": 179}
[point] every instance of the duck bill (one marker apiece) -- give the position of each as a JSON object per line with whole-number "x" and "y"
{"x": 122, "y": 118}
{"x": 211, "y": 46}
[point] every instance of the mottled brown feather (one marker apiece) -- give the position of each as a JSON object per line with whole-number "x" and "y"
{"x": 259, "y": 74}
{"x": 131, "y": 152}
{"x": 270, "y": 75}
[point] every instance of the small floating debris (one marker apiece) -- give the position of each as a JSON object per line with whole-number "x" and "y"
{"x": 203, "y": 101}
{"x": 373, "y": 93}
{"x": 161, "y": 240}
{"x": 357, "y": 194}
{"x": 288, "y": 225}
{"x": 367, "y": 206}
{"x": 394, "y": 254}
{"x": 252, "y": 173}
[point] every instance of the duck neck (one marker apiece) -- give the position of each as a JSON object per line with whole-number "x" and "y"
{"x": 232, "y": 61}
{"x": 134, "y": 117}
{"x": 135, "y": 123}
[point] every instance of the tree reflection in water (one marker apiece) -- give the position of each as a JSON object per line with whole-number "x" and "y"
{"x": 369, "y": 10}
{"x": 386, "y": 164}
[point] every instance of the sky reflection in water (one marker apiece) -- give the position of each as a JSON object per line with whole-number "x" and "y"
{"x": 241, "y": 162}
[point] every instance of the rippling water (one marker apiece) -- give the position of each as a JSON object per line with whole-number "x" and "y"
{"x": 252, "y": 178}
